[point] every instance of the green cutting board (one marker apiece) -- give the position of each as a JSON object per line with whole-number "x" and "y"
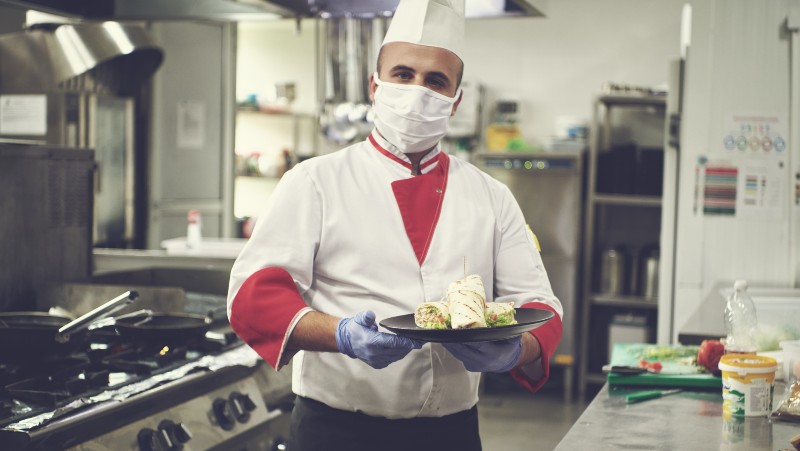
{"x": 678, "y": 371}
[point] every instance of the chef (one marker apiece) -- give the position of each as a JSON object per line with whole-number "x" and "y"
{"x": 370, "y": 231}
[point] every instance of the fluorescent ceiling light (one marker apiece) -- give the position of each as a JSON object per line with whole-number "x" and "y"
{"x": 483, "y": 8}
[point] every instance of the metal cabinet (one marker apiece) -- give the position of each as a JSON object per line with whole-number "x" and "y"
{"x": 622, "y": 214}
{"x": 547, "y": 187}
{"x": 191, "y": 161}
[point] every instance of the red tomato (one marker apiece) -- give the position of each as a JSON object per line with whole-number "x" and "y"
{"x": 652, "y": 366}
{"x": 709, "y": 354}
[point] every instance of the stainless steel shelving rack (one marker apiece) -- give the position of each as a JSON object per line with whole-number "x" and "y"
{"x": 603, "y": 204}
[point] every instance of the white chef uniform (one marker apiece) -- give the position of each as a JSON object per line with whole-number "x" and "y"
{"x": 355, "y": 230}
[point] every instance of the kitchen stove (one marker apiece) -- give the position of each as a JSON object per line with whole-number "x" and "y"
{"x": 212, "y": 394}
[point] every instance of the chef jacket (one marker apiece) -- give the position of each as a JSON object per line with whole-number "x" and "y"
{"x": 356, "y": 230}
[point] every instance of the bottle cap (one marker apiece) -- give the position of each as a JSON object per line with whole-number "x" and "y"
{"x": 193, "y": 216}
{"x": 740, "y": 285}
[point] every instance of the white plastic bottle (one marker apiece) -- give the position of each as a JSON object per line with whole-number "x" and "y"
{"x": 194, "y": 234}
{"x": 741, "y": 322}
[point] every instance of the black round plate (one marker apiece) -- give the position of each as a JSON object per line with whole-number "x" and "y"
{"x": 527, "y": 319}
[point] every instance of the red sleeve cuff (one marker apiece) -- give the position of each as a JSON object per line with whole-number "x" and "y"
{"x": 263, "y": 309}
{"x": 548, "y": 335}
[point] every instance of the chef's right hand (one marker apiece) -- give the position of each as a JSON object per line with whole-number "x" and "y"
{"x": 358, "y": 338}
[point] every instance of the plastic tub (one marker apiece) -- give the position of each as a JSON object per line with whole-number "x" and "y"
{"x": 747, "y": 384}
{"x": 791, "y": 360}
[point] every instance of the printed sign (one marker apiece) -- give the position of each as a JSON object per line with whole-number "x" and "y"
{"x": 23, "y": 114}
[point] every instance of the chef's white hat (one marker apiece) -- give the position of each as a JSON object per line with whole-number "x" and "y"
{"x": 435, "y": 23}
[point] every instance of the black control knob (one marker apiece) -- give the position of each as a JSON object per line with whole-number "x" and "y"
{"x": 241, "y": 405}
{"x": 223, "y": 413}
{"x": 152, "y": 440}
{"x": 177, "y": 433}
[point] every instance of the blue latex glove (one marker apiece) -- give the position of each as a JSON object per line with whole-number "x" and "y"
{"x": 487, "y": 356}
{"x": 358, "y": 338}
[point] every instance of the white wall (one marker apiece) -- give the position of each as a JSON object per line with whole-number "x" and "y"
{"x": 553, "y": 66}
{"x": 757, "y": 245}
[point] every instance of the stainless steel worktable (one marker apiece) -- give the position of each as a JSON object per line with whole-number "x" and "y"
{"x": 684, "y": 421}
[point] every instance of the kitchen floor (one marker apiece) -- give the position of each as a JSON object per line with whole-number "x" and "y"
{"x": 512, "y": 419}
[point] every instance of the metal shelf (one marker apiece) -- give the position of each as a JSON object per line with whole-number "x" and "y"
{"x": 632, "y": 100}
{"x": 623, "y": 301}
{"x": 596, "y": 226}
{"x": 627, "y": 199}
{"x": 273, "y": 113}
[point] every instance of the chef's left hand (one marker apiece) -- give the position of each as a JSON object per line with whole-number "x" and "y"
{"x": 487, "y": 356}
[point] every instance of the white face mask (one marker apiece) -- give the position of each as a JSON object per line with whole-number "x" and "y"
{"x": 411, "y": 117}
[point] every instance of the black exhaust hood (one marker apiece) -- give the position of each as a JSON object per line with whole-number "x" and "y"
{"x": 122, "y": 10}
{"x": 241, "y": 10}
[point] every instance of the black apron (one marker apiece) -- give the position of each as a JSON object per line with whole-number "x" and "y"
{"x": 318, "y": 427}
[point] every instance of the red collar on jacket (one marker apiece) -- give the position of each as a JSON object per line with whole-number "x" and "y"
{"x": 394, "y": 154}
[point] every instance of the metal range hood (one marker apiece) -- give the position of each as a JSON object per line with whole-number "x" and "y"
{"x": 144, "y": 10}
{"x": 242, "y": 10}
{"x": 44, "y": 58}
{"x": 474, "y": 8}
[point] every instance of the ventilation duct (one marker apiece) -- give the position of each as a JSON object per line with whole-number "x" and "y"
{"x": 241, "y": 10}
{"x": 116, "y": 57}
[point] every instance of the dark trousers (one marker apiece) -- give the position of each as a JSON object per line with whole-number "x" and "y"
{"x": 318, "y": 427}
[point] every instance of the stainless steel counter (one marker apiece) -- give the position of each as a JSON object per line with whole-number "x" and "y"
{"x": 120, "y": 260}
{"x": 201, "y": 280}
{"x": 685, "y": 421}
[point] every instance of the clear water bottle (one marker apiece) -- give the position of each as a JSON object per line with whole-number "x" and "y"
{"x": 741, "y": 322}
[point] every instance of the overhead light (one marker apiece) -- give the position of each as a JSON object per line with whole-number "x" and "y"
{"x": 484, "y": 8}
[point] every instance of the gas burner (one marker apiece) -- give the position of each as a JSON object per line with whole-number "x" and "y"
{"x": 33, "y": 387}
{"x": 144, "y": 360}
{"x": 65, "y": 383}
{"x": 10, "y": 373}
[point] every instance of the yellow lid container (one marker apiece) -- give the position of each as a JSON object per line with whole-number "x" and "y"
{"x": 747, "y": 384}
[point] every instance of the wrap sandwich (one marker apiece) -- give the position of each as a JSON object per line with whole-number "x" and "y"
{"x": 466, "y": 299}
{"x": 432, "y": 315}
{"x": 500, "y": 314}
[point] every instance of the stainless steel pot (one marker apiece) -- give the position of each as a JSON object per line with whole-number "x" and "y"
{"x": 649, "y": 274}
{"x": 38, "y": 335}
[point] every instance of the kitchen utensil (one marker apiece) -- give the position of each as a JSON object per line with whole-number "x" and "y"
{"x": 612, "y": 271}
{"x": 649, "y": 394}
{"x": 39, "y": 335}
{"x": 164, "y": 328}
{"x": 628, "y": 370}
{"x": 621, "y": 369}
{"x": 358, "y": 112}
{"x": 527, "y": 319}
{"x": 102, "y": 311}
{"x": 649, "y": 273}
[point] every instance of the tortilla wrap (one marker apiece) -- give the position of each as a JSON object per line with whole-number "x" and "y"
{"x": 467, "y": 301}
{"x": 500, "y": 314}
{"x": 432, "y": 315}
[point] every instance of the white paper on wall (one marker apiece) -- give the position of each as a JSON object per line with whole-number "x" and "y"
{"x": 762, "y": 184}
{"x": 23, "y": 114}
{"x": 191, "y": 124}
{"x": 715, "y": 187}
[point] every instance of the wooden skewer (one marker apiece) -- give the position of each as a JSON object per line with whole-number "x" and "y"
{"x": 465, "y": 266}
